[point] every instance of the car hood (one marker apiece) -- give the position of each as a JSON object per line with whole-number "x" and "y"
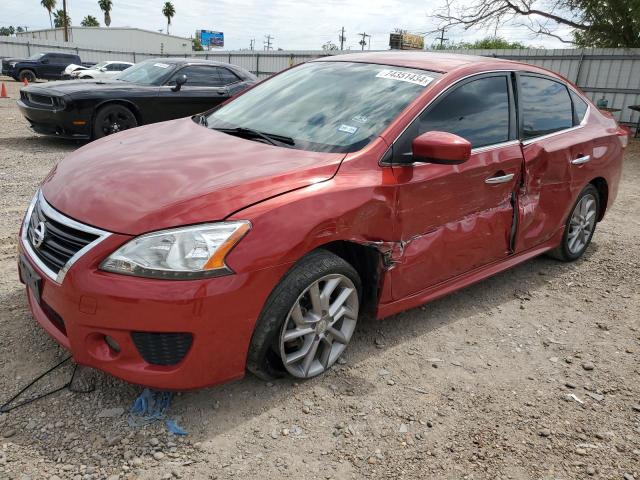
{"x": 176, "y": 173}
{"x": 84, "y": 87}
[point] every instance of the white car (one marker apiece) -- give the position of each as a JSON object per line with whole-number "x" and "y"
{"x": 102, "y": 70}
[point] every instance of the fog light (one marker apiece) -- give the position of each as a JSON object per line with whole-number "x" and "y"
{"x": 115, "y": 346}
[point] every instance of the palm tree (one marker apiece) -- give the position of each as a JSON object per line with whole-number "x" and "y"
{"x": 60, "y": 19}
{"x": 168, "y": 11}
{"x": 90, "y": 21}
{"x": 50, "y": 5}
{"x": 105, "y": 6}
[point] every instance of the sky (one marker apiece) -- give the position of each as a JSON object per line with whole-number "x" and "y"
{"x": 294, "y": 25}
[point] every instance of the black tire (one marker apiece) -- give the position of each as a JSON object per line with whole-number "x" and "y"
{"x": 564, "y": 252}
{"x": 263, "y": 359}
{"x": 86, "y": 77}
{"x": 29, "y": 75}
{"x": 113, "y": 119}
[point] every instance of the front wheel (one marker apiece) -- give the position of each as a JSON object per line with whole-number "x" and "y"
{"x": 27, "y": 75}
{"x": 580, "y": 226}
{"x": 113, "y": 119}
{"x": 308, "y": 320}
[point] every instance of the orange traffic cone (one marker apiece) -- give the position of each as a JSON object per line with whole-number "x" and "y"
{"x": 26, "y": 82}
{"x": 3, "y": 91}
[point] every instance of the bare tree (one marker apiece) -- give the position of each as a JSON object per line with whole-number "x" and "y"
{"x": 597, "y": 23}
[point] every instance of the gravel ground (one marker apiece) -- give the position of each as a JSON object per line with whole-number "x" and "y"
{"x": 532, "y": 374}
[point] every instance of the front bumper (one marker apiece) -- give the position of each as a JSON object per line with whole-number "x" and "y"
{"x": 219, "y": 314}
{"x": 56, "y": 122}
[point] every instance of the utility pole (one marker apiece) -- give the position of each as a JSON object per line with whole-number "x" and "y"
{"x": 442, "y": 39}
{"x": 66, "y": 21}
{"x": 252, "y": 42}
{"x": 267, "y": 42}
{"x": 363, "y": 42}
{"x": 342, "y": 39}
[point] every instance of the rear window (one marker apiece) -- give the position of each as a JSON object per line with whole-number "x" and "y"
{"x": 546, "y": 106}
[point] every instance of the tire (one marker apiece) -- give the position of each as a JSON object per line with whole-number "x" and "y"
{"x": 268, "y": 347}
{"x": 580, "y": 226}
{"x": 113, "y": 119}
{"x": 29, "y": 75}
{"x": 86, "y": 77}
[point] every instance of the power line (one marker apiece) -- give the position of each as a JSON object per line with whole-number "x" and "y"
{"x": 267, "y": 42}
{"x": 342, "y": 39}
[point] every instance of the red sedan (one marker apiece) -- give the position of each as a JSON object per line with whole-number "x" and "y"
{"x": 254, "y": 236}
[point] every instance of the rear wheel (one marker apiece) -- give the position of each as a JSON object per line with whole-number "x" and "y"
{"x": 113, "y": 119}
{"x": 28, "y": 75}
{"x": 308, "y": 319}
{"x": 580, "y": 226}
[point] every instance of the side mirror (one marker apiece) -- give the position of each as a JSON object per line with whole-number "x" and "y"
{"x": 103, "y": 69}
{"x": 181, "y": 80}
{"x": 440, "y": 147}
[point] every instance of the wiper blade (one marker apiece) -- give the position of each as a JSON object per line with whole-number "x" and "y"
{"x": 251, "y": 133}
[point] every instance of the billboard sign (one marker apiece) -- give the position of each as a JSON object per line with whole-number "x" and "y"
{"x": 209, "y": 38}
{"x": 406, "y": 41}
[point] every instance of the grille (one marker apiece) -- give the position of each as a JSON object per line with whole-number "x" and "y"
{"x": 162, "y": 348}
{"x": 60, "y": 242}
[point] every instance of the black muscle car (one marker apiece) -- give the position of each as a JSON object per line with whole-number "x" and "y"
{"x": 151, "y": 91}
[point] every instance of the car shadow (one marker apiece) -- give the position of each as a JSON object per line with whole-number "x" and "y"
{"x": 40, "y": 142}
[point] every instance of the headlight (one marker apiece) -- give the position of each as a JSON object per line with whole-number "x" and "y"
{"x": 181, "y": 253}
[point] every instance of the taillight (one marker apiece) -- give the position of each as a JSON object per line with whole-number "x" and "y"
{"x": 623, "y": 134}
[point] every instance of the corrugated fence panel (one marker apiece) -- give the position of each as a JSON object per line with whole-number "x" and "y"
{"x": 610, "y": 73}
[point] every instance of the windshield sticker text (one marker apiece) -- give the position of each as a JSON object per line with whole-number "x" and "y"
{"x": 360, "y": 118}
{"x": 348, "y": 129}
{"x": 410, "y": 77}
{"x": 161, "y": 65}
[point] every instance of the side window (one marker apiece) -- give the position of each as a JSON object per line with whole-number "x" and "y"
{"x": 227, "y": 76}
{"x": 579, "y": 107}
{"x": 477, "y": 111}
{"x": 546, "y": 106}
{"x": 198, "y": 76}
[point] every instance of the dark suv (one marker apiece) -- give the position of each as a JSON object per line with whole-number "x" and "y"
{"x": 47, "y": 66}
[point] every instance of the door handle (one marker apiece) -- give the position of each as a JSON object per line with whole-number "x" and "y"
{"x": 581, "y": 160}
{"x": 499, "y": 179}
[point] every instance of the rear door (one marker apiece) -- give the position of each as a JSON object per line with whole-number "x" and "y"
{"x": 556, "y": 154}
{"x": 454, "y": 218}
{"x": 204, "y": 89}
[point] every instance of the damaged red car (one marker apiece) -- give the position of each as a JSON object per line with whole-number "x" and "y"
{"x": 254, "y": 236}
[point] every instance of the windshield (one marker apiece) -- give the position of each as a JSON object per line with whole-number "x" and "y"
{"x": 36, "y": 56}
{"x": 150, "y": 72}
{"x": 325, "y": 106}
{"x": 97, "y": 66}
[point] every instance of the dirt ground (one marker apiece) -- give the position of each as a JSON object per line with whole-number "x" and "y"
{"x": 532, "y": 374}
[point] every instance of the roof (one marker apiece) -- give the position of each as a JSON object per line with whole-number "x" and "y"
{"x": 438, "y": 62}
{"x": 106, "y": 29}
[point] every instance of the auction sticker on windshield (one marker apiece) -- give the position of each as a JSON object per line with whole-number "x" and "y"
{"x": 410, "y": 77}
{"x": 161, "y": 65}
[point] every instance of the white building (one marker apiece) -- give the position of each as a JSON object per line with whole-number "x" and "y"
{"x": 116, "y": 39}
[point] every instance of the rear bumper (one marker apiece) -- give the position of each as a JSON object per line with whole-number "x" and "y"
{"x": 58, "y": 123}
{"x": 215, "y": 319}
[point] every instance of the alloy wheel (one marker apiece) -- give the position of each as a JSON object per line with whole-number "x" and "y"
{"x": 582, "y": 224}
{"x": 117, "y": 121}
{"x": 319, "y": 326}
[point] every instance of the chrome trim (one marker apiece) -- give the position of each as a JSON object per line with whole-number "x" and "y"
{"x": 50, "y": 212}
{"x": 581, "y": 160}
{"x": 501, "y": 179}
{"x": 549, "y": 135}
{"x": 494, "y": 146}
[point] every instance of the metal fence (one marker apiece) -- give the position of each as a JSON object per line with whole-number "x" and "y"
{"x": 610, "y": 73}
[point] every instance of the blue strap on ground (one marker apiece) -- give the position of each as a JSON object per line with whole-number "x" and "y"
{"x": 152, "y": 406}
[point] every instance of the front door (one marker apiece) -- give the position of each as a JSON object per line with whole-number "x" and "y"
{"x": 454, "y": 218}
{"x": 204, "y": 90}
